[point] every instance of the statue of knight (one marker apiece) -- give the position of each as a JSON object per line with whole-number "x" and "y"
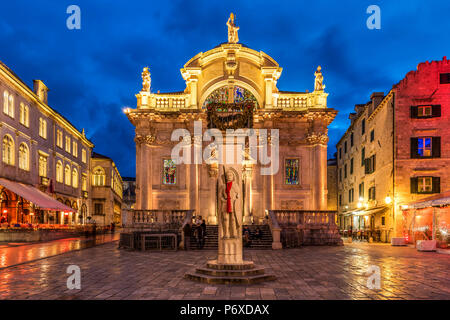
{"x": 230, "y": 211}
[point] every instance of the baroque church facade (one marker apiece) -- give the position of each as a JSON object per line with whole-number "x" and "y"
{"x": 229, "y": 87}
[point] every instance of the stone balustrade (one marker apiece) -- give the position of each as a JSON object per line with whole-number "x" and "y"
{"x": 312, "y": 224}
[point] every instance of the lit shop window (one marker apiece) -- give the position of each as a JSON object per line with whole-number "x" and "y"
{"x": 291, "y": 171}
{"x": 170, "y": 172}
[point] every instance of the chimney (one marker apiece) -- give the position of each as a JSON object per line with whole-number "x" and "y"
{"x": 41, "y": 90}
{"x": 376, "y": 98}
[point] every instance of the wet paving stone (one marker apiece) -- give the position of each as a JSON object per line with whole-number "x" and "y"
{"x": 306, "y": 273}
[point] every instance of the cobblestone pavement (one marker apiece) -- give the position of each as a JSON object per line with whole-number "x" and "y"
{"x": 306, "y": 273}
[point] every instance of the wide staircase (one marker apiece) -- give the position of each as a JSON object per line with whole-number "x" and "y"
{"x": 211, "y": 241}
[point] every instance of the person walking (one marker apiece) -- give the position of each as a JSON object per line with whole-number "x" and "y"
{"x": 187, "y": 235}
{"x": 203, "y": 227}
{"x": 199, "y": 235}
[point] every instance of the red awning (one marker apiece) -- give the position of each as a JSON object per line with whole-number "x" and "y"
{"x": 39, "y": 198}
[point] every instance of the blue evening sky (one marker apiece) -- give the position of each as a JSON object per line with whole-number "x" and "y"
{"x": 95, "y": 72}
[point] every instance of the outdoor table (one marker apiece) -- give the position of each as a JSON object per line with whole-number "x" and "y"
{"x": 159, "y": 241}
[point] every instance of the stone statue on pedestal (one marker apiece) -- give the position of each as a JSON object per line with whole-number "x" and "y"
{"x": 146, "y": 80}
{"x": 230, "y": 211}
{"x": 318, "y": 83}
{"x": 232, "y": 30}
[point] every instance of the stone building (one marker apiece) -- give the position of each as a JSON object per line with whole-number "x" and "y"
{"x": 129, "y": 197}
{"x": 106, "y": 192}
{"x": 332, "y": 194}
{"x": 229, "y": 87}
{"x": 44, "y": 158}
{"x": 395, "y": 153}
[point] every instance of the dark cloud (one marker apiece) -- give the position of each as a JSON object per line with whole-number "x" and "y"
{"x": 94, "y": 72}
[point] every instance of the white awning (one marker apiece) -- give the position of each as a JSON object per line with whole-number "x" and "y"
{"x": 39, "y": 198}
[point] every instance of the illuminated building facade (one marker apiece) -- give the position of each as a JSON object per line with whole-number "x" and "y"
{"x": 231, "y": 87}
{"x": 45, "y": 160}
{"x": 395, "y": 153}
{"x": 106, "y": 191}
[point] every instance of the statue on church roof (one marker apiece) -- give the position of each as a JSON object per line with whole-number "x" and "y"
{"x": 146, "y": 80}
{"x": 318, "y": 83}
{"x": 232, "y": 30}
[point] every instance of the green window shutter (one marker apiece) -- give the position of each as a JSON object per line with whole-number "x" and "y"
{"x": 436, "y": 184}
{"x": 414, "y": 151}
{"x": 436, "y": 111}
{"x": 436, "y": 145}
{"x": 413, "y": 185}
{"x": 366, "y": 165}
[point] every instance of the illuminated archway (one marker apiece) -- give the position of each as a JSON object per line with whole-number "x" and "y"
{"x": 222, "y": 93}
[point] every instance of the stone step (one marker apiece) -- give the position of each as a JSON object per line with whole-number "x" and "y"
{"x": 229, "y": 279}
{"x": 230, "y": 273}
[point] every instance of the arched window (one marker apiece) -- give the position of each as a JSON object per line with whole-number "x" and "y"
{"x": 99, "y": 177}
{"x": 75, "y": 178}
{"x": 59, "y": 172}
{"x": 67, "y": 175}
{"x": 24, "y": 157}
{"x": 8, "y": 150}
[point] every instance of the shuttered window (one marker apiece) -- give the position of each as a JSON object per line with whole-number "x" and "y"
{"x": 425, "y": 147}
{"x": 425, "y": 184}
{"x": 425, "y": 111}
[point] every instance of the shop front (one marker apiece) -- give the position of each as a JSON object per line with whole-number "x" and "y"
{"x": 25, "y": 207}
{"x": 428, "y": 219}
{"x": 367, "y": 224}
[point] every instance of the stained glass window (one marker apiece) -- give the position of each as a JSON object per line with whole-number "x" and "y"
{"x": 236, "y": 93}
{"x": 170, "y": 172}
{"x": 291, "y": 171}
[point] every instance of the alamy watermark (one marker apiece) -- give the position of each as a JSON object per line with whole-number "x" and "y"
{"x": 238, "y": 146}
{"x": 374, "y": 279}
{"x": 374, "y": 20}
{"x": 74, "y": 280}
{"x": 74, "y": 20}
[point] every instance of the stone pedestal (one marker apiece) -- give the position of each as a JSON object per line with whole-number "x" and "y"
{"x": 230, "y": 267}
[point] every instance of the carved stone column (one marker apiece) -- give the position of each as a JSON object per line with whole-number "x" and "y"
{"x": 248, "y": 173}
{"x": 319, "y": 141}
{"x": 213, "y": 173}
{"x": 144, "y": 170}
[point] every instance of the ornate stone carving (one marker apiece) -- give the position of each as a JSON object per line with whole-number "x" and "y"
{"x": 291, "y": 205}
{"x": 232, "y": 30}
{"x": 145, "y": 139}
{"x": 317, "y": 138}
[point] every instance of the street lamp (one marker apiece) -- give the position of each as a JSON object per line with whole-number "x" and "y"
{"x": 388, "y": 200}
